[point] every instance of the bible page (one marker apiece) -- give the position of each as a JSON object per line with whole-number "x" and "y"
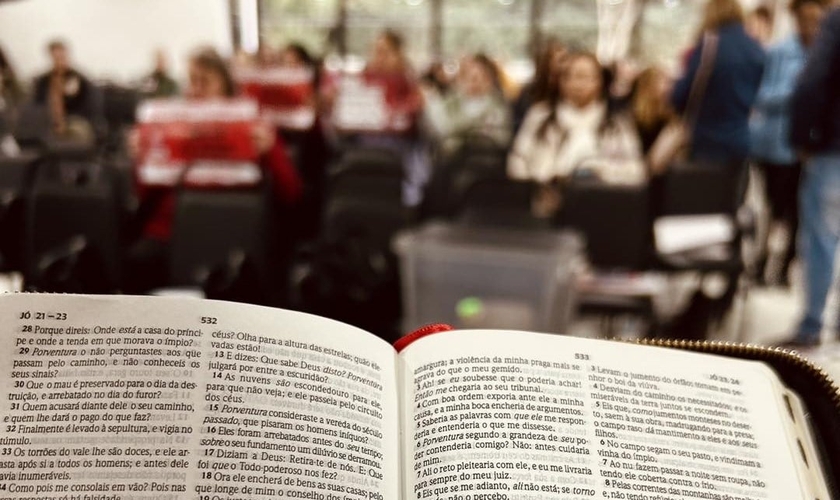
{"x": 492, "y": 415}
{"x": 130, "y": 398}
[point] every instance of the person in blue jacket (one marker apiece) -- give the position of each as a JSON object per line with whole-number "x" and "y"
{"x": 721, "y": 132}
{"x": 770, "y": 124}
{"x": 815, "y": 133}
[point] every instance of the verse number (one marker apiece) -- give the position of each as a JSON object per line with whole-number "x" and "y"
{"x": 581, "y": 356}
{"x": 27, "y": 329}
{"x": 207, "y": 320}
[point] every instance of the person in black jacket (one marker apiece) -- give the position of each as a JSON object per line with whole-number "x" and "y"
{"x": 68, "y": 95}
{"x": 815, "y": 133}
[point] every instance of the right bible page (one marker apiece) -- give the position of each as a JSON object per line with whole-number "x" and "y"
{"x": 494, "y": 415}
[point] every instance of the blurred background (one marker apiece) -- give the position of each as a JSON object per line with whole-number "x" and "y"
{"x": 390, "y": 163}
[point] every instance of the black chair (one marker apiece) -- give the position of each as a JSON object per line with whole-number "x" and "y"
{"x": 119, "y": 105}
{"x": 369, "y": 159}
{"x": 365, "y": 198}
{"x": 703, "y": 189}
{"x": 615, "y": 223}
{"x": 72, "y": 226}
{"x": 33, "y": 127}
{"x": 494, "y": 201}
{"x": 16, "y": 177}
{"x": 351, "y": 273}
{"x": 71, "y": 150}
{"x": 455, "y": 173}
{"x": 34, "y": 131}
{"x": 221, "y": 242}
{"x": 614, "y": 220}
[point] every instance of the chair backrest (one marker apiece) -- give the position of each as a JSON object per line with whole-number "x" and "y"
{"x": 369, "y": 159}
{"x": 17, "y": 173}
{"x": 34, "y": 130}
{"x": 458, "y": 171}
{"x": 119, "y": 105}
{"x": 499, "y": 202}
{"x": 74, "y": 202}
{"x": 383, "y": 185}
{"x": 5, "y": 122}
{"x": 374, "y": 221}
{"x": 614, "y": 220}
{"x": 695, "y": 189}
{"x": 368, "y": 174}
{"x": 33, "y": 126}
{"x": 71, "y": 149}
{"x": 364, "y": 198}
{"x": 16, "y": 177}
{"x": 216, "y": 229}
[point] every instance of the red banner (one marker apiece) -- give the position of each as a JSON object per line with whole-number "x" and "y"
{"x": 214, "y": 139}
{"x": 286, "y": 96}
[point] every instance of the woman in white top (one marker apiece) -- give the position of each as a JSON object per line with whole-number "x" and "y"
{"x": 575, "y": 131}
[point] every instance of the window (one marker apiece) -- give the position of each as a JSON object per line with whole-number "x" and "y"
{"x": 500, "y": 28}
{"x": 308, "y": 22}
{"x": 410, "y": 18}
{"x": 666, "y": 30}
{"x": 573, "y": 22}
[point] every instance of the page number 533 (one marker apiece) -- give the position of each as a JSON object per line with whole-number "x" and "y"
{"x": 208, "y": 320}
{"x": 582, "y": 356}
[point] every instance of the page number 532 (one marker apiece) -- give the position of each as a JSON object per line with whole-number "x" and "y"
{"x": 207, "y": 320}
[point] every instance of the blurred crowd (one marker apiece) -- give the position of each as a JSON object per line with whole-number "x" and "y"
{"x": 740, "y": 99}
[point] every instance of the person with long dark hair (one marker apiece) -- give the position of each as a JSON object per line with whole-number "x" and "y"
{"x": 209, "y": 79}
{"x": 549, "y": 63}
{"x": 561, "y": 132}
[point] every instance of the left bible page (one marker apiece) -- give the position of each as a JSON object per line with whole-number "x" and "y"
{"x": 129, "y": 398}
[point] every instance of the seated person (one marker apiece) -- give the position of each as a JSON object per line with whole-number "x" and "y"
{"x": 652, "y": 111}
{"x": 563, "y": 135}
{"x": 69, "y": 96}
{"x": 159, "y": 83}
{"x": 388, "y": 69}
{"x": 476, "y": 108}
{"x": 209, "y": 78}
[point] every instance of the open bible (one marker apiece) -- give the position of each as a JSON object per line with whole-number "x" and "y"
{"x": 161, "y": 398}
